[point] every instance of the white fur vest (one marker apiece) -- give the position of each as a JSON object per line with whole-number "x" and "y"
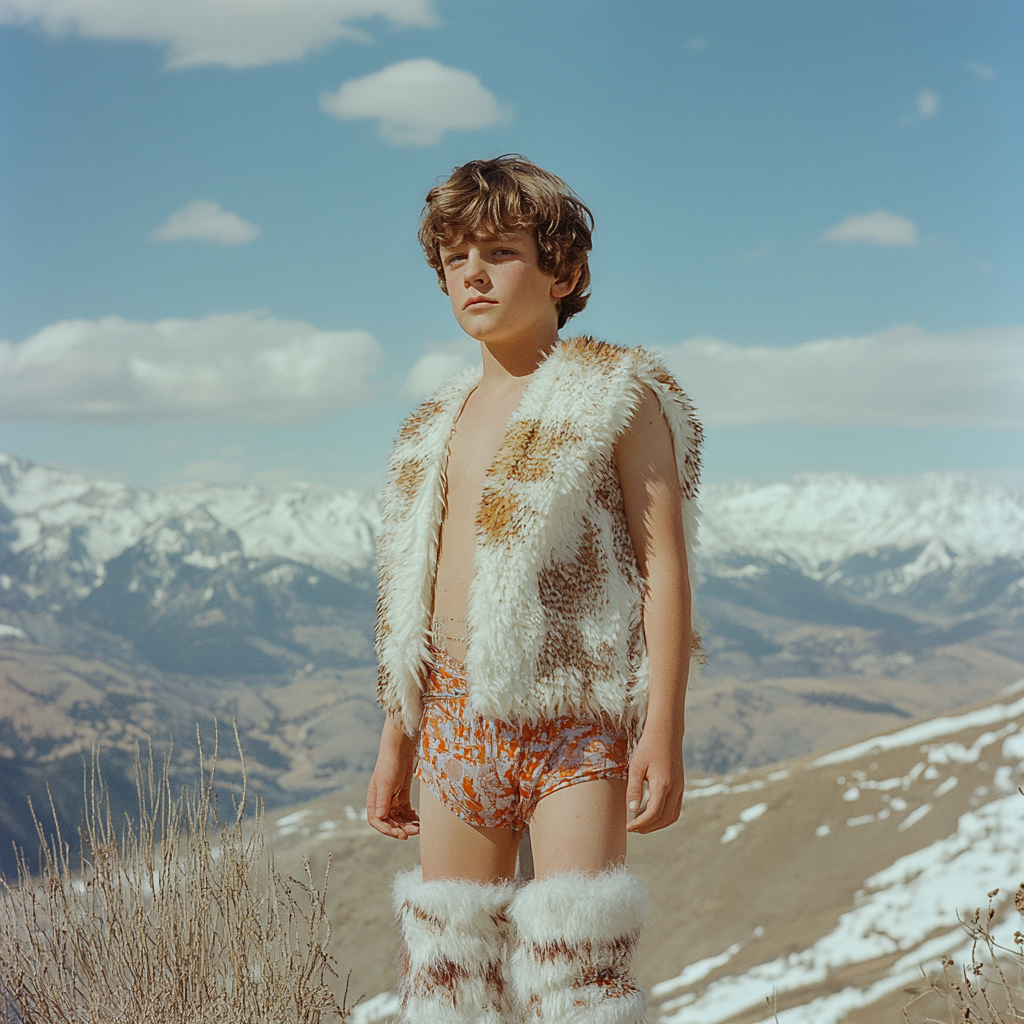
{"x": 555, "y": 607}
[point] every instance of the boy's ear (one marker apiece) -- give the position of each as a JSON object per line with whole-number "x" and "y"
{"x": 564, "y": 285}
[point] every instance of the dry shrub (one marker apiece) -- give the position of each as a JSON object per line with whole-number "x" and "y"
{"x": 989, "y": 990}
{"x": 181, "y": 918}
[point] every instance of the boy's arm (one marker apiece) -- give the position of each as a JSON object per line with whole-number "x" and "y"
{"x": 388, "y": 800}
{"x": 646, "y": 464}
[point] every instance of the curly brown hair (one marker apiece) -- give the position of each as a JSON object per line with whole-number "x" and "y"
{"x": 509, "y": 193}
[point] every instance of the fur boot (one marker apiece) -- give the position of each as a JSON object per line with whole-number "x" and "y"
{"x": 576, "y": 936}
{"x": 454, "y": 947}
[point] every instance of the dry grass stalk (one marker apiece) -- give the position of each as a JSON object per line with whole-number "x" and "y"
{"x": 989, "y": 990}
{"x": 180, "y": 918}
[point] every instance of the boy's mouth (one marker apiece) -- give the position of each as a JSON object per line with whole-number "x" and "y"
{"x": 477, "y": 300}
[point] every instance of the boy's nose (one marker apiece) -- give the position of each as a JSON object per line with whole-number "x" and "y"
{"x": 475, "y": 269}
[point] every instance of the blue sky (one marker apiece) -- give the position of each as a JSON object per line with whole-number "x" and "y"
{"x": 208, "y": 210}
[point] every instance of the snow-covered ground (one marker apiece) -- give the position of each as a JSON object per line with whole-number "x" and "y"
{"x": 900, "y": 908}
{"x": 910, "y": 907}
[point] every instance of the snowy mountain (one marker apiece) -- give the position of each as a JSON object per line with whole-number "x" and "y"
{"x": 822, "y": 524}
{"x": 940, "y": 542}
{"x": 57, "y": 514}
{"x": 204, "y": 580}
{"x": 823, "y": 520}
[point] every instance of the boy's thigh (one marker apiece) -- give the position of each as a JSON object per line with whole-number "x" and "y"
{"x": 580, "y": 828}
{"x": 452, "y": 848}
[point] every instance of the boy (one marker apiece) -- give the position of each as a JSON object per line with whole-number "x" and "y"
{"x": 534, "y": 629}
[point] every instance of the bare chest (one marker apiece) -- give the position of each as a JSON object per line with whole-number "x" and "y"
{"x": 475, "y": 441}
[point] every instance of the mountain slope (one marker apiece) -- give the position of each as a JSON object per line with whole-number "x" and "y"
{"x": 825, "y": 882}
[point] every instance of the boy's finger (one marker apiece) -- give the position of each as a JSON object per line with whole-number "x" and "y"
{"x": 654, "y": 809}
{"x": 671, "y": 807}
{"x": 635, "y": 788}
{"x": 386, "y": 828}
{"x": 378, "y": 806}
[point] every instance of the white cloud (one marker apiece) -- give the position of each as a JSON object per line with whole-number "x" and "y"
{"x": 206, "y": 221}
{"x": 417, "y": 101}
{"x": 927, "y": 104}
{"x": 878, "y": 228}
{"x": 228, "y": 366}
{"x": 900, "y": 377}
{"x": 439, "y": 362}
{"x": 231, "y": 33}
{"x": 983, "y": 71}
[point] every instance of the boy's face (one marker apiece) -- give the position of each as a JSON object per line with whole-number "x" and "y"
{"x": 498, "y": 292}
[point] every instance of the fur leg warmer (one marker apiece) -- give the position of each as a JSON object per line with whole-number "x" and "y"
{"x": 454, "y": 947}
{"x": 576, "y": 936}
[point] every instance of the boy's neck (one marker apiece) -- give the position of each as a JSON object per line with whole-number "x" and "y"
{"x": 506, "y": 365}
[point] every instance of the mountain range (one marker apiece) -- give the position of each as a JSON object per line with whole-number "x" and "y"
{"x": 836, "y": 607}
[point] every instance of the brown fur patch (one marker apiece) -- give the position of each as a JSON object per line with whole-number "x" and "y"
{"x": 494, "y": 977}
{"x": 528, "y": 449}
{"x": 666, "y": 379}
{"x": 605, "y": 965}
{"x": 420, "y": 914}
{"x": 564, "y": 588}
{"x": 444, "y": 974}
{"x": 608, "y": 496}
{"x": 591, "y": 350}
{"x": 697, "y": 651}
{"x": 383, "y": 683}
{"x": 413, "y": 426}
{"x": 495, "y": 520}
{"x": 409, "y": 477}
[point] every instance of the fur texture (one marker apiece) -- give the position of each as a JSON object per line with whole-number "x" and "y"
{"x": 576, "y": 936}
{"x": 454, "y": 948}
{"x": 556, "y": 600}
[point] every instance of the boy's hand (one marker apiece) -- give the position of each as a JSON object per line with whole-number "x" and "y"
{"x": 388, "y": 802}
{"x": 658, "y": 761}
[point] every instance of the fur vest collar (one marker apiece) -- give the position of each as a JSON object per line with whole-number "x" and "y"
{"x": 555, "y": 606}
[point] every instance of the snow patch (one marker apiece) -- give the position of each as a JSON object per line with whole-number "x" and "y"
{"x": 696, "y": 971}
{"x": 752, "y": 813}
{"x": 384, "y": 1007}
{"x": 900, "y": 910}
{"x": 924, "y": 732}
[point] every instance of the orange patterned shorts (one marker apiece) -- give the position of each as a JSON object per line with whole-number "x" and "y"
{"x": 492, "y": 774}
